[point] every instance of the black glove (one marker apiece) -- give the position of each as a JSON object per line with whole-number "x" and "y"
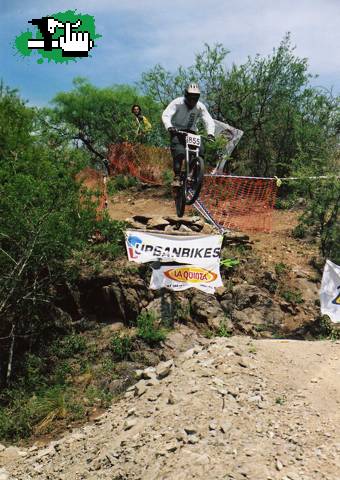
{"x": 211, "y": 138}
{"x": 172, "y": 130}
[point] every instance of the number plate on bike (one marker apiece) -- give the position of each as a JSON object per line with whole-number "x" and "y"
{"x": 193, "y": 140}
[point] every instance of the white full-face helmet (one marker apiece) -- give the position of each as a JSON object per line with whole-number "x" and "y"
{"x": 191, "y": 95}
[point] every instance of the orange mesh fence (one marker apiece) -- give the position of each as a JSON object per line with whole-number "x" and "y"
{"x": 144, "y": 162}
{"x": 241, "y": 203}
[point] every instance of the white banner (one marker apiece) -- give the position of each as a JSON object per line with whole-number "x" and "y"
{"x": 330, "y": 291}
{"x": 199, "y": 250}
{"x": 182, "y": 277}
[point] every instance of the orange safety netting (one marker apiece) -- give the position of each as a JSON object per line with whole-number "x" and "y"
{"x": 242, "y": 203}
{"x": 147, "y": 163}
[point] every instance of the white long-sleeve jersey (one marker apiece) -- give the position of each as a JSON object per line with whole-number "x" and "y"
{"x": 178, "y": 115}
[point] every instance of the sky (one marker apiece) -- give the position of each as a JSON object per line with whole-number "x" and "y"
{"x": 137, "y": 35}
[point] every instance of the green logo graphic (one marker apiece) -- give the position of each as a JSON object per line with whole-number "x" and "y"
{"x": 59, "y": 37}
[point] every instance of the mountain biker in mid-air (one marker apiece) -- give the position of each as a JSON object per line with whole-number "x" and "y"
{"x": 183, "y": 113}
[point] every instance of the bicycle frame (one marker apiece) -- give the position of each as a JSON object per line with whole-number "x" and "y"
{"x": 189, "y": 150}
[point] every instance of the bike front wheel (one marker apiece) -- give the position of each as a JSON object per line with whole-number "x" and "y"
{"x": 195, "y": 181}
{"x": 180, "y": 200}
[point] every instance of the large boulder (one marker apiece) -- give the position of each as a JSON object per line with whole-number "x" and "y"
{"x": 254, "y": 311}
{"x": 206, "y": 309}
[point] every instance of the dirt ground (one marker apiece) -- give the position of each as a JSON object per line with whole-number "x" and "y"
{"x": 232, "y": 409}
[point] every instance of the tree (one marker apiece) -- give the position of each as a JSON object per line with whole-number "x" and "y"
{"x": 270, "y": 99}
{"x": 97, "y": 117}
{"x": 42, "y": 222}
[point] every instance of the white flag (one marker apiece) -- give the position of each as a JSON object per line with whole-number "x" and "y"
{"x": 330, "y": 291}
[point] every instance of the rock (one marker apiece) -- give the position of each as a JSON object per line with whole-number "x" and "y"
{"x": 129, "y": 423}
{"x": 193, "y": 439}
{"x": 169, "y": 229}
{"x": 310, "y": 291}
{"x": 244, "y": 362}
{"x": 140, "y": 388}
{"x": 142, "y": 218}
{"x": 172, "y": 400}
{"x": 171, "y": 447}
{"x": 46, "y": 452}
{"x": 117, "y": 326}
{"x": 11, "y": 453}
{"x": 163, "y": 369}
{"x": 184, "y": 229}
{"x": 2, "y": 447}
{"x": 132, "y": 223}
{"x": 4, "y": 475}
{"x": 278, "y": 465}
{"x": 207, "y": 309}
{"x": 190, "y": 430}
{"x": 245, "y": 295}
{"x": 163, "y": 308}
{"x": 186, "y": 220}
{"x": 225, "y": 426}
{"x": 157, "y": 222}
{"x": 149, "y": 373}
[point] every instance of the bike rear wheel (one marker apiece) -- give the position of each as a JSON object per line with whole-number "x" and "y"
{"x": 193, "y": 187}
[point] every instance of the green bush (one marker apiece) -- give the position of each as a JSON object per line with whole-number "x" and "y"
{"x": 120, "y": 182}
{"x": 223, "y": 330}
{"x": 299, "y": 231}
{"x": 68, "y": 346}
{"x": 322, "y": 215}
{"x": 294, "y": 297}
{"x": 280, "y": 268}
{"x": 121, "y": 346}
{"x": 148, "y": 329}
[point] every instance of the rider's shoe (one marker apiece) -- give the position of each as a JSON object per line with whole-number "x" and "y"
{"x": 176, "y": 181}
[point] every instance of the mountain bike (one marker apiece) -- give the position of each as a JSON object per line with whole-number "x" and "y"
{"x": 192, "y": 172}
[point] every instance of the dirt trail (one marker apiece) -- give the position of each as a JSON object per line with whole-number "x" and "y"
{"x": 232, "y": 409}
{"x": 151, "y": 201}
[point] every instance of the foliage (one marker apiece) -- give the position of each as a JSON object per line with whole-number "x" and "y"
{"x": 286, "y": 121}
{"x": 120, "y": 182}
{"x": 321, "y": 216}
{"x": 223, "y": 330}
{"x": 68, "y": 346}
{"x": 323, "y": 328}
{"x": 291, "y": 296}
{"x": 121, "y": 346}
{"x": 229, "y": 262}
{"x": 43, "y": 222}
{"x": 97, "y": 117}
{"x": 148, "y": 329}
{"x": 280, "y": 268}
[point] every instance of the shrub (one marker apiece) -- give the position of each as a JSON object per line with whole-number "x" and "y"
{"x": 121, "y": 346}
{"x": 148, "y": 328}
{"x": 69, "y": 346}
{"x": 294, "y": 297}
